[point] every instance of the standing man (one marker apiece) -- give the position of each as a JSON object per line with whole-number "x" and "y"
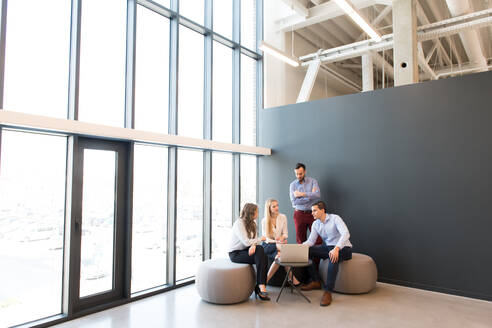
{"x": 304, "y": 192}
{"x": 336, "y": 246}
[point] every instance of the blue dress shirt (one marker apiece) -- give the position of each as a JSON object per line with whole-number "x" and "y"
{"x": 310, "y": 187}
{"x": 333, "y": 232}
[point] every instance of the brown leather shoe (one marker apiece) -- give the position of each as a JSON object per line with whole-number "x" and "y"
{"x": 325, "y": 299}
{"x": 312, "y": 285}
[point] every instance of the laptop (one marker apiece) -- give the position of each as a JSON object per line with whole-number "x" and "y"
{"x": 295, "y": 253}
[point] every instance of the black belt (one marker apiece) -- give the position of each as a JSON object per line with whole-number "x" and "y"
{"x": 308, "y": 211}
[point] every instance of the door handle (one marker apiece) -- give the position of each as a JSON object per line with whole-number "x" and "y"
{"x": 77, "y": 224}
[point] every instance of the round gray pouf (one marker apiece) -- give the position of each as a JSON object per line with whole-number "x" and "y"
{"x": 221, "y": 281}
{"x": 355, "y": 276}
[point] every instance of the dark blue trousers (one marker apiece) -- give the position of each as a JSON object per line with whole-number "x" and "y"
{"x": 270, "y": 250}
{"x": 322, "y": 252}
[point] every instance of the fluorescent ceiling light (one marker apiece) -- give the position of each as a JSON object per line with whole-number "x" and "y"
{"x": 353, "y": 13}
{"x": 279, "y": 54}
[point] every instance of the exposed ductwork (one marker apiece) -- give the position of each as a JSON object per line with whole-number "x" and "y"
{"x": 426, "y": 32}
{"x": 469, "y": 38}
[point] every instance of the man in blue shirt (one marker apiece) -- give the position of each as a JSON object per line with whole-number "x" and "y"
{"x": 336, "y": 246}
{"x": 304, "y": 192}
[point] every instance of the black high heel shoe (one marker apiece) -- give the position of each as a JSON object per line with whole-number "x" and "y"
{"x": 262, "y": 295}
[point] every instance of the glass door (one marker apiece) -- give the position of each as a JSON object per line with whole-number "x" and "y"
{"x": 98, "y": 216}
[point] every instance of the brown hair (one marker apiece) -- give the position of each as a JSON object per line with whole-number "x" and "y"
{"x": 300, "y": 165}
{"x": 248, "y": 214}
{"x": 321, "y": 205}
{"x": 268, "y": 218}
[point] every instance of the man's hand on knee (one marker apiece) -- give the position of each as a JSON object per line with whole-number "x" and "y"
{"x": 334, "y": 255}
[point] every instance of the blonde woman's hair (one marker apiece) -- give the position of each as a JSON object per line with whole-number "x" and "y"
{"x": 248, "y": 214}
{"x": 268, "y": 218}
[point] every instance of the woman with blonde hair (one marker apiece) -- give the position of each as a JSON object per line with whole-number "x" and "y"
{"x": 275, "y": 232}
{"x": 245, "y": 247}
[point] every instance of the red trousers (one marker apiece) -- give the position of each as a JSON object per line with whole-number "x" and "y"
{"x": 303, "y": 221}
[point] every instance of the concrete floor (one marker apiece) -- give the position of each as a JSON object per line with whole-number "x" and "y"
{"x": 386, "y": 306}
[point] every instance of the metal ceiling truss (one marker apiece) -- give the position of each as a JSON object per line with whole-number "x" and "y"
{"x": 433, "y": 31}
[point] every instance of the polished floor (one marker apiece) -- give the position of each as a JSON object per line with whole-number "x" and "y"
{"x": 386, "y": 306}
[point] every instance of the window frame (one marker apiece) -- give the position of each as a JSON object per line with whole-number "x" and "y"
{"x": 210, "y": 36}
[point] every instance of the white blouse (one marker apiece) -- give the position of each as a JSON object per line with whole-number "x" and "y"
{"x": 279, "y": 230}
{"x": 239, "y": 238}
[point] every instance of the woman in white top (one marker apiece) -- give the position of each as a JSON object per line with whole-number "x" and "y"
{"x": 275, "y": 232}
{"x": 245, "y": 248}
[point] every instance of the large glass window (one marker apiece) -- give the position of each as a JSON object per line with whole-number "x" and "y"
{"x": 222, "y": 93}
{"x": 165, "y": 3}
{"x": 248, "y": 179}
{"x": 192, "y": 9}
{"x": 223, "y": 17}
{"x": 98, "y": 221}
{"x": 33, "y": 165}
{"x": 32, "y": 200}
{"x": 189, "y": 213}
{"x": 222, "y": 195}
{"x": 190, "y": 90}
{"x": 152, "y": 71}
{"x": 248, "y": 24}
{"x": 149, "y": 237}
{"x": 36, "y": 70}
{"x": 248, "y": 101}
{"x": 102, "y": 62}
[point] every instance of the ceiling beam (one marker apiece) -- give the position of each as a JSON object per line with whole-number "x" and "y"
{"x": 384, "y": 2}
{"x": 454, "y": 28}
{"x": 383, "y": 64}
{"x": 431, "y": 52}
{"x": 309, "y": 81}
{"x": 356, "y": 49}
{"x": 423, "y": 63}
{"x": 439, "y": 17}
{"x": 317, "y": 14}
{"x": 339, "y": 31}
{"x": 470, "y": 39}
{"x": 324, "y": 33}
{"x": 453, "y": 71}
{"x": 315, "y": 37}
{"x": 349, "y": 76}
{"x": 381, "y": 16}
{"x": 358, "y": 18}
{"x": 425, "y": 20}
{"x": 299, "y": 7}
{"x": 340, "y": 74}
{"x": 379, "y": 60}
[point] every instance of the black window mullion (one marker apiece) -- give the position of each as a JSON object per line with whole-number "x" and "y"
{"x": 71, "y": 245}
{"x": 72, "y": 241}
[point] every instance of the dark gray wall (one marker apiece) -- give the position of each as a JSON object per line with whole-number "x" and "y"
{"x": 409, "y": 169}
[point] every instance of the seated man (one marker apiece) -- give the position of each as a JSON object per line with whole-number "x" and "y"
{"x": 336, "y": 246}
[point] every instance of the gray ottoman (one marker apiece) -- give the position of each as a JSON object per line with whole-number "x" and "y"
{"x": 355, "y": 276}
{"x": 221, "y": 281}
